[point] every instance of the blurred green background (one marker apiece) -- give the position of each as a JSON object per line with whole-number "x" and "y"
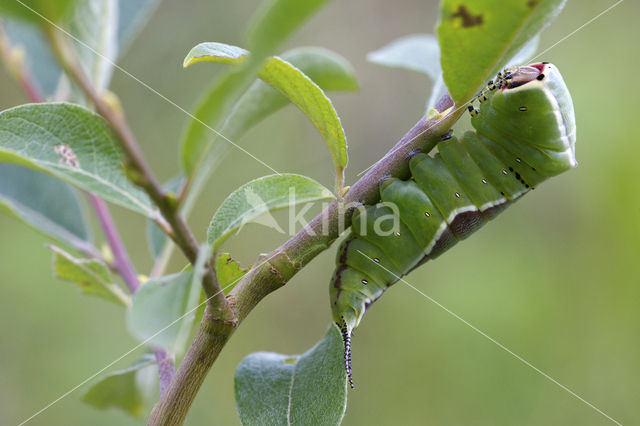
{"x": 556, "y": 279}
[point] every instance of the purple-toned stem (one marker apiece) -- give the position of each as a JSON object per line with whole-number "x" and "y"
{"x": 122, "y": 261}
{"x": 123, "y": 264}
{"x": 165, "y": 368}
{"x": 125, "y": 268}
{"x": 128, "y": 273}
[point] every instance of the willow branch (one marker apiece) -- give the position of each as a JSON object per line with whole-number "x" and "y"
{"x": 273, "y": 271}
{"x": 140, "y": 172}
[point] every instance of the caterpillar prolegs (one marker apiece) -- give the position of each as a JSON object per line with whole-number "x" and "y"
{"x": 524, "y": 134}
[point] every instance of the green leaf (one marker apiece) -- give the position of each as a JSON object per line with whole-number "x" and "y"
{"x": 163, "y": 309}
{"x": 272, "y": 25}
{"x": 521, "y": 57}
{"x": 42, "y": 65}
{"x": 73, "y": 144}
{"x": 28, "y": 10}
{"x": 229, "y": 272}
{"x": 327, "y": 69}
{"x": 310, "y": 98}
{"x": 215, "y": 52}
{"x": 46, "y": 204}
{"x": 208, "y": 113}
{"x": 416, "y": 52}
{"x": 95, "y": 23}
{"x": 308, "y": 389}
{"x": 92, "y": 276}
{"x": 129, "y": 390}
{"x": 478, "y": 37}
{"x": 292, "y": 83}
{"x": 260, "y": 196}
{"x": 276, "y": 20}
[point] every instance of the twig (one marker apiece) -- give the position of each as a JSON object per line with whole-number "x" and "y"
{"x": 276, "y": 269}
{"x": 19, "y": 70}
{"x": 140, "y": 172}
{"x": 166, "y": 369}
{"x": 122, "y": 260}
{"x": 128, "y": 273}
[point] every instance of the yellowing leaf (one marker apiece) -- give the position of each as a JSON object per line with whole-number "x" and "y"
{"x": 215, "y": 52}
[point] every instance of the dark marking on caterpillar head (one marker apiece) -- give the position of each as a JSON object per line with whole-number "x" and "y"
{"x": 468, "y": 20}
{"x": 522, "y": 75}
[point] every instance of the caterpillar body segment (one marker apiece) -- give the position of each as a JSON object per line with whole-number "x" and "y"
{"x": 524, "y": 134}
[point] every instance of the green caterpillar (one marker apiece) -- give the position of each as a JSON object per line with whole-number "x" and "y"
{"x": 524, "y": 134}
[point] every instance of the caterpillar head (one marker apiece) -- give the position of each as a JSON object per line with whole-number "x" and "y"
{"x": 531, "y": 115}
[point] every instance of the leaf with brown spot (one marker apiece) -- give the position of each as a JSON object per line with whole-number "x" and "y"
{"x": 478, "y": 37}
{"x": 468, "y": 20}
